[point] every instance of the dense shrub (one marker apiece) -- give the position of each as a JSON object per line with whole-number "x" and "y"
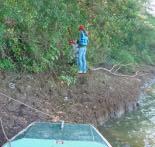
{"x": 122, "y": 34}
{"x": 34, "y": 34}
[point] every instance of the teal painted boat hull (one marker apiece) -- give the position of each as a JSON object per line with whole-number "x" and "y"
{"x": 44, "y": 134}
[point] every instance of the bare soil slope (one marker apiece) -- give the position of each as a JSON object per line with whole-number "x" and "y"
{"x": 95, "y": 98}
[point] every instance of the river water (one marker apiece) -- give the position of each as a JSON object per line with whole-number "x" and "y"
{"x": 135, "y": 129}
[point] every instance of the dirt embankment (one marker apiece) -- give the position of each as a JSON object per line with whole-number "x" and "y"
{"x": 95, "y": 98}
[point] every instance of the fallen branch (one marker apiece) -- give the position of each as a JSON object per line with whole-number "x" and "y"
{"x": 114, "y": 67}
{"x": 120, "y": 66}
{"x": 120, "y": 75}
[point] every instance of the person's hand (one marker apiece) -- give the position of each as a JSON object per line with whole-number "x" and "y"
{"x": 72, "y": 42}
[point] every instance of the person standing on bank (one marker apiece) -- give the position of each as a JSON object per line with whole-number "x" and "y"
{"x": 83, "y": 42}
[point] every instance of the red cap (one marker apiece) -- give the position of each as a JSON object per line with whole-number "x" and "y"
{"x": 81, "y": 27}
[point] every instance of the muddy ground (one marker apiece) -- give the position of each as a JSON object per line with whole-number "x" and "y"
{"x": 97, "y": 97}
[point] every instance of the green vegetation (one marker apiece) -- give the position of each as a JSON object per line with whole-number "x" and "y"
{"x": 34, "y": 34}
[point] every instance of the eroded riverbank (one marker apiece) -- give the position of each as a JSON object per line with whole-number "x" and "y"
{"x": 96, "y": 98}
